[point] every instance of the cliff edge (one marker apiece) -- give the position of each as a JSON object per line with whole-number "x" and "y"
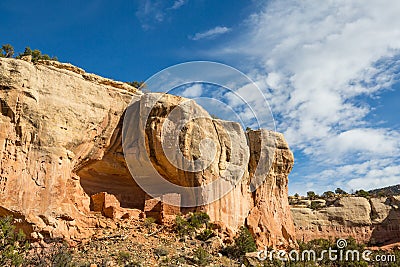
{"x": 62, "y": 161}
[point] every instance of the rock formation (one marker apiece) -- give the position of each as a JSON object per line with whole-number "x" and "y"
{"x": 375, "y": 221}
{"x": 61, "y": 144}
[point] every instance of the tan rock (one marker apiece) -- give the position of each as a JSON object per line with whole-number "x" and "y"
{"x": 52, "y": 122}
{"x": 270, "y": 219}
{"x": 373, "y": 221}
{"x": 266, "y": 211}
{"x": 60, "y": 143}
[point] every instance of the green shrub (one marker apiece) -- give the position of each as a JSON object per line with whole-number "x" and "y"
{"x": 315, "y": 205}
{"x": 123, "y": 257}
{"x": 160, "y": 251}
{"x": 318, "y": 245}
{"x": 149, "y": 222}
{"x": 56, "y": 255}
{"x": 183, "y": 227}
{"x": 328, "y": 194}
{"x": 7, "y": 50}
{"x": 311, "y": 195}
{"x": 201, "y": 257}
{"x": 13, "y": 244}
{"x": 137, "y": 84}
{"x": 340, "y": 191}
{"x": 244, "y": 243}
{"x": 205, "y": 235}
{"x": 62, "y": 257}
{"x": 362, "y": 193}
{"x": 198, "y": 219}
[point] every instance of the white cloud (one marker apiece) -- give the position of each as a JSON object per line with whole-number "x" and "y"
{"x": 314, "y": 60}
{"x": 152, "y": 12}
{"x": 368, "y": 142}
{"x": 209, "y": 34}
{"x": 149, "y": 13}
{"x": 178, "y": 4}
{"x": 193, "y": 91}
{"x": 370, "y": 174}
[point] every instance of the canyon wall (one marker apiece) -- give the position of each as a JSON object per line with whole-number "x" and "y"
{"x": 374, "y": 221}
{"x": 61, "y": 143}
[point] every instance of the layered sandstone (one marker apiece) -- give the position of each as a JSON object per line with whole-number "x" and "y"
{"x": 374, "y": 221}
{"x": 235, "y": 157}
{"x": 61, "y": 143}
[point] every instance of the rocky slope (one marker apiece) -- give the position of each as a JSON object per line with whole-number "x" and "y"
{"x": 374, "y": 221}
{"x": 60, "y": 145}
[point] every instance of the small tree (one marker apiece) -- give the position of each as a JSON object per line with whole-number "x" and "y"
{"x": 137, "y": 84}
{"x": 339, "y": 191}
{"x": 36, "y": 55}
{"x": 362, "y": 193}
{"x": 244, "y": 243}
{"x": 7, "y": 50}
{"x": 13, "y": 244}
{"x": 328, "y": 194}
{"x": 27, "y": 52}
{"x": 198, "y": 219}
{"x": 311, "y": 195}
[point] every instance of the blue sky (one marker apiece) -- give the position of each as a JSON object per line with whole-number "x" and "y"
{"x": 330, "y": 71}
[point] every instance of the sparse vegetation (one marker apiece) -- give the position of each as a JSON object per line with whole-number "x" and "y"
{"x": 339, "y": 191}
{"x": 362, "y": 193}
{"x": 57, "y": 254}
{"x": 194, "y": 221}
{"x": 7, "y": 51}
{"x": 328, "y": 194}
{"x": 202, "y": 257}
{"x": 182, "y": 227}
{"x": 137, "y": 84}
{"x": 149, "y": 222}
{"x": 311, "y": 195}
{"x": 315, "y": 205}
{"x": 160, "y": 251}
{"x": 215, "y": 117}
{"x": 198, "y": 219}
{"x": 205, "y": 235}
{"x": 244, "y": 243}
{"x": 124, "y": 258}
{"x": 36, "y": 55}
{"x": 13, "y": 244}
{"x": 318, "y": 245}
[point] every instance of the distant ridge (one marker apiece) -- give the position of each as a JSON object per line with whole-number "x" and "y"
{"x": 387, "y": 191}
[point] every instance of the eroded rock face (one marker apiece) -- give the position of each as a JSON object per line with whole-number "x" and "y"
{"x": 270, "y": 218}
{"x": 61, "y": 142}
{"x": 375, "y": 221}
{"x": 52, "y": 123}
{"x": 235, "y": 157}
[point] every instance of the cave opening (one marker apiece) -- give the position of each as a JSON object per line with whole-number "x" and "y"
{"x": 110, "y": 174}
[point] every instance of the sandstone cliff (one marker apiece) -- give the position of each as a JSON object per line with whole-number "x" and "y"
{"x": 61, "y": 143}
{"x": 374, "y": 221}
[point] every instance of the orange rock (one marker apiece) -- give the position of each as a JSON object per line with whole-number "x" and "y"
{"x": 61, "y": 143}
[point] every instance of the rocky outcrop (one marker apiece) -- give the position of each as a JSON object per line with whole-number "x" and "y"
{"x": 374, "y": 221}
{"x": 61, "y": 143}
{"x": 53, "y": 122}
{"x": 236, "y": 157}
{"x": 270, "y": 197}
